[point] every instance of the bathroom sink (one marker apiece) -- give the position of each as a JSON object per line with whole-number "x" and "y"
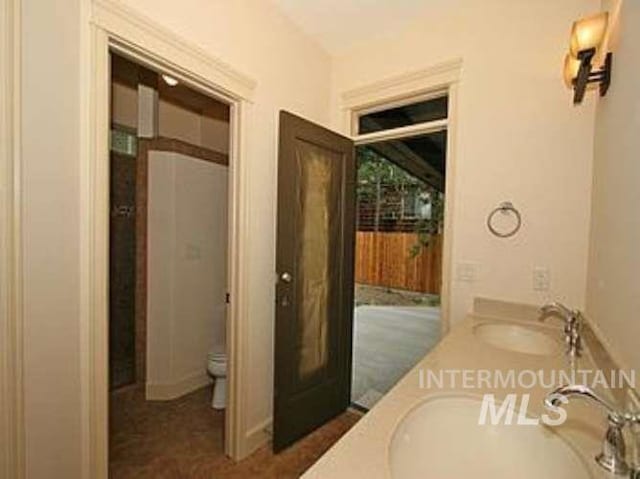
{"x": 441, "y": 438}
{"x": 520, "y": 339}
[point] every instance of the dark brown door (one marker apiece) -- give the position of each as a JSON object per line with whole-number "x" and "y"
{"x": 314, "y": 292}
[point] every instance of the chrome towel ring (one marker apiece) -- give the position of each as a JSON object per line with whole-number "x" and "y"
{"x": 505, "y": 208}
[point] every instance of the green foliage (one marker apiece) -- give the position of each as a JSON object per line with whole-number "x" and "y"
{"x": 375, "y": 170}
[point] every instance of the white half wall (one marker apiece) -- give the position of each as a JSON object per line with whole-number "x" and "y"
{"x": 519, "y": 138}
{"x": 613, "y": 298}
{"x": 187, "y": 271}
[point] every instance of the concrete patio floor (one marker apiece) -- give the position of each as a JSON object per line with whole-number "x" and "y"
{"x": 388, "y": 342}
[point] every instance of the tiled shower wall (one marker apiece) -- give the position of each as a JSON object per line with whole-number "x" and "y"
{"x": 122, "y": 261}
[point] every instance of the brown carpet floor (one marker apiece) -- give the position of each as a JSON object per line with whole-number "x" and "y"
{"x": 183, "y": 439}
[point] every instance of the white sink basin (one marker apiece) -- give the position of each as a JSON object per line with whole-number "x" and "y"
{"x": 513, "y": 337}
{"x": 441, "y": 439}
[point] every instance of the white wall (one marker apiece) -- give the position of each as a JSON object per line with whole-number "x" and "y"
{"x": 187, "y": 271}
{"x": 613, "y": 297}
{"x": 51, "y": 165}
{"x": 519, "y": 137}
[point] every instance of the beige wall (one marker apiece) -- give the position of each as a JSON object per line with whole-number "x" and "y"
{"x": 187, "y": 271}
{"x": 51, "y": 165}
{"x": 291, "y": 72}
{"x": 124, "y": 105}
{"x": 185, "y": 125}
{"x": 215, "y": 134}
{"x": 173, "y": 121}
{"x": 519, "y": 137}
{"x": 613, "y": 296}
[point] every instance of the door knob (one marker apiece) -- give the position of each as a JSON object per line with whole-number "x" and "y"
{"x": 286, "y": 277}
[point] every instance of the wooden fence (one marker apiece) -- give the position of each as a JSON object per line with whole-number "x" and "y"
{"x": 384, "y": 259}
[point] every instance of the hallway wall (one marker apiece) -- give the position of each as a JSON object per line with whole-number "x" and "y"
{"x": 50, "y": 188}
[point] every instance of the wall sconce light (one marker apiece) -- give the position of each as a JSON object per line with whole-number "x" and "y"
{"x": 587, "y": 36}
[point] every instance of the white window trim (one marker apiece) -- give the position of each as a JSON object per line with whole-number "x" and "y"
{"x": 402, "y": 132}
{"x": 437, "y": 80}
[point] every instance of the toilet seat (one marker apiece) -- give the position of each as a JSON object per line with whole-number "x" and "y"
{"x": 217, "y": 357}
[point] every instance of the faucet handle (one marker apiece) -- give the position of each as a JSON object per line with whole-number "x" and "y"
{"x": 613, "y": 455}
{"x": 614, "y": 450}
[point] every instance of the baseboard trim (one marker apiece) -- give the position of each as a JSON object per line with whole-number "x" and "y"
{"x": 168, "y": 391}
{"x": 258, "y": 436}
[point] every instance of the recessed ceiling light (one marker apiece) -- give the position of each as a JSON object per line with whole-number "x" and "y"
{"x": 169, "y": 80}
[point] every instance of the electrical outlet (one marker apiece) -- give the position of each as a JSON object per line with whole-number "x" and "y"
{"x": 541, "y": 279}
{"x": 192, "y": 252}
{"x": 467, "y": 272}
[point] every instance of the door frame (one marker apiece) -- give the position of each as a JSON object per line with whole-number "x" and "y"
{"x": 442, "y": 78}
{"x": 116, "y": 27}
{"x": 12, "y": 455}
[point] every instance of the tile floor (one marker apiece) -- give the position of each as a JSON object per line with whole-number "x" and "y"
{"x": 183, "y": 439}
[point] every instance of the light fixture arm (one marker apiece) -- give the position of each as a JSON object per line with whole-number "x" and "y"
{"x": 586, "y": 75}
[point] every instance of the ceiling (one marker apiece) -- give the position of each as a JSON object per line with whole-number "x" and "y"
{"x": 339, "y": 25}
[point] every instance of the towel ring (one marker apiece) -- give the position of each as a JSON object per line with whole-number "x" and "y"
{"x": 504, "y": 208}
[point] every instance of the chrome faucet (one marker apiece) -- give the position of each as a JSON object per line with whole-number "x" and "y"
{"x": 614, "y": 451}
{"x": 572, "y": 325}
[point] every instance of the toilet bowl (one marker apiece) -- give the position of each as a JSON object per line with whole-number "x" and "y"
{"x": 217, "y": 367}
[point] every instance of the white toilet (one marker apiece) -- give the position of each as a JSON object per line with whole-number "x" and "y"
{"x": 217, "y": 366}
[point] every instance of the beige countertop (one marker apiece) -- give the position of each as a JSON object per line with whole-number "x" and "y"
{"x": 364, "y": 451}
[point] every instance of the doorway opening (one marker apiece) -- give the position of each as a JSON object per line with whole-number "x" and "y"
{"x": 400, "y": 190}
{"x": 168, "y": 278}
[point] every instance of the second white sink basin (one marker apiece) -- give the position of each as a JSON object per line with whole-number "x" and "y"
{"x": 441, "y": 439}
{"x": 520, "y": 339}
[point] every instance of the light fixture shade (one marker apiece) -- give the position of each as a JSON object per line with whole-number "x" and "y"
{"x": 588, "y": 33}
{"x": 571, "y": 67}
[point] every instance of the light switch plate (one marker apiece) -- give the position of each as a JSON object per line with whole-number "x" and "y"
{"x": 541, "y": 279}
{"x": 192, "y": 252}
{"x": 467, "y": 272}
